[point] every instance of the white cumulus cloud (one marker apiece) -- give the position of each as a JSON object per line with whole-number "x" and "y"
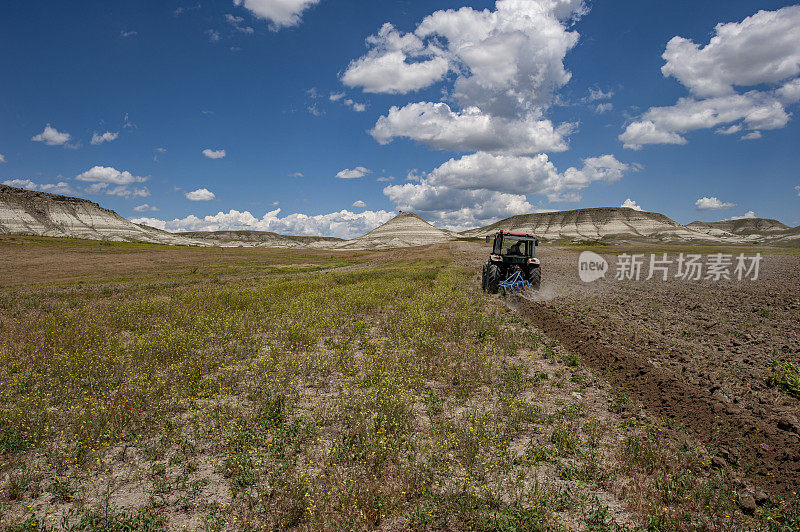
{"x": 145, "y": 208}
{"x": 481, "y": 188}
{"x": 630, "y": 204}
{"x": 386, "y": 68}
{"x": 746, "y": 216}
{"x": 52, "y": 137}
{"x": 238, "y": 23}
{"x": 201, "y": 194}
{"x": 457, "y": 209}
{"x": 355, "y": 173}
{"x": 730, "y": 130}
{"x": 522, "y": 175}
{"x": 360, "y": 204}
{"x": 342, "y": 224}
{"x": 280, "y": 13}
{"x": 108, "y": 136}
{"x": 713, "y": 203}
{"x": 109, "y": 175}
{"x": 498, "y": 71}
{"x": 121, "y": 191}
{"x": 355, "y": 106}
{"x": 647, "y": 132}
{"x": 790, "y": 91}
{"x": 2, "y": 158}
{"x": 665, "y": 125}
{"x": 501, "y": 69}
{"x": 62, "y": 187}
{"x": 437, "y": 125}
{"x": 110, "y": 181}
{"x": 505, "y": 61}
{"x": 763, "y": 49}
{"x": 214, "y": 154}
{"x": 596, "y": 94}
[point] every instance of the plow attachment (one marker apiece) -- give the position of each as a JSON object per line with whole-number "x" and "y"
{"x": 513, "y": 283}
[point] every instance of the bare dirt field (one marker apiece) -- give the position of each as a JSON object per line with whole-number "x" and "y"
{"x": 149, "y": 388}
{"x": 707, "y": 356}
{"x": 699, "y": 352}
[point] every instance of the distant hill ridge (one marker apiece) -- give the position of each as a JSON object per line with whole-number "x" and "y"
{"x": 615, "y": 224}
{"x": 746, "y": 226}
{"x": 41, "y": 213}
{"x": 261, "y": 239}
{"x": 600, "y": 223}
{"x": 404, "y": 230}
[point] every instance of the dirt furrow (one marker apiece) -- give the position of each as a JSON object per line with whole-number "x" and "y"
{"x": 751, "y": 438}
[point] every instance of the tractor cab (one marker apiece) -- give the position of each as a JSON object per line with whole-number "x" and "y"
{"x": 514, "y": 248}
{"x": 512, "y": 261}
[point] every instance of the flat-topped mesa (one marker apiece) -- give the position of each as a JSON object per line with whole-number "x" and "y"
{"x": 601, "y": 224}
{"x": 246, "y": 238}
{"x": 404, "y": 230}
{"x": 21, "y": 194}
{"x": 746, "y": 226}
{"x": 35, "y": 213}
{"x": 764, "y": 231}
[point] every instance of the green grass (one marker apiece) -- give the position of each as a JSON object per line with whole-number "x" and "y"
{"x": 63, "y": 244}
{"x": 262, "y": 373}
{"x": 268, "y": 393}
{"x": 786, "y": 376}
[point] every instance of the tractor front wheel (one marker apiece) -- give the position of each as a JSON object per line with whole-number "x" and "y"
{"x": 483, "y": 278}
{"x": 492, "y": 278}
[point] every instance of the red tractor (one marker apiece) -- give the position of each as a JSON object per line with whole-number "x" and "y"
{"x": 513, "y": 257}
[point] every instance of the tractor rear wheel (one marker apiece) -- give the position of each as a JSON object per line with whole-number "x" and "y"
{"x": 492, "y": 278}
{"x": 535, "y": 277}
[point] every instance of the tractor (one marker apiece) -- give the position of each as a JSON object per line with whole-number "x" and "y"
{"x": 512, "y": 263}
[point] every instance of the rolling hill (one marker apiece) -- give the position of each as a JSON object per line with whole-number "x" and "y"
{"x": 755, "y": 230}
{"x": 605, "y": 224}
{"x": 44, "y": 214}
{"x": 28, "y": 212}
{"x": 404, "y": 230}
{"x": 261, "y": 239}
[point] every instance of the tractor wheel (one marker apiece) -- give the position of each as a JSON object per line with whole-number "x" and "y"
{"x": 492, "y": 278}
{"x": 484, "y": 277}
{"x": 535, "y": 277}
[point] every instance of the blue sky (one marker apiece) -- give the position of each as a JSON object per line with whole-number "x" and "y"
{"x": 327, "y": 116}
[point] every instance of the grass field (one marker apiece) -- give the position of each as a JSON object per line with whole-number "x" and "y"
{"x": 148, "y": 388}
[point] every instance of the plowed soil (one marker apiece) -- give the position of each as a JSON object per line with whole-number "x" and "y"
{"x": 695, "y": 353}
